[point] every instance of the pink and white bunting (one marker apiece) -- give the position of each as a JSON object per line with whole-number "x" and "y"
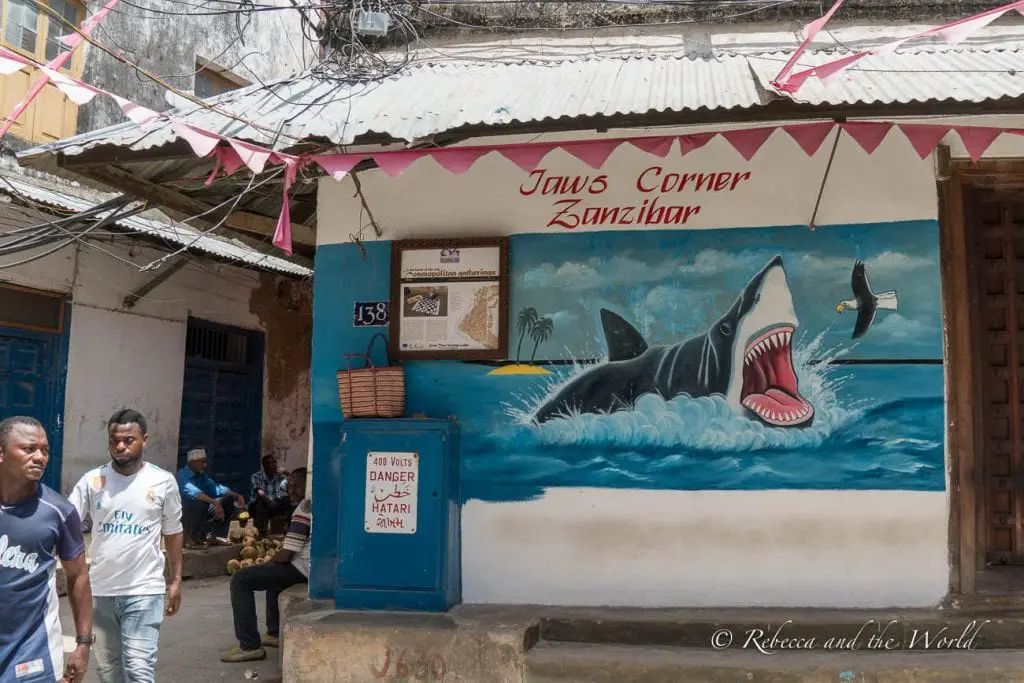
{"x": 232, "y": 156}
{"x": 952, "y": 33}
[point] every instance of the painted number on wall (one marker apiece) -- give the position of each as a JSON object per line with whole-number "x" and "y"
{"x": 417, "y": 664}
{"x": 371, "y": 314}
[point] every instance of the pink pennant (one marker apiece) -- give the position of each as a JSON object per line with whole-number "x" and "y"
{"x": 977, "y": 139}
{"x": 12, "y": 62}
{"x": 283, "y": 232}
{"x": 77, "y": 92}
{"x": 393, "y": 163}
{"x": 689, "y": 143}
{"x": 827, "y": 72}
{"x": 526, "y": 157}
{"x": 255, "y": 158}
{"x": 749, "y": 140}
{"x": 959, "y": 31}
{"x": 867, "y": 134}
{"x": 810, "y": 135}
{"x": 338, "y": 165}
{"x": 72, "y": 40}
{"x": 660, "y": 146}
{"x": 456, "y": 160}
{"x": 216, "y": 167}
{"x": 924, "y": 138}
{"x": 783, "y": 81}
{"x": 202, "y": 142}
{"x": 136, "y": 112}
{"x": 592, "y": 152}
{"x": 888, "y": 48}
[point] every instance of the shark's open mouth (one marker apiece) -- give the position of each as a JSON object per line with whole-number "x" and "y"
{"x": 769, "y": 381}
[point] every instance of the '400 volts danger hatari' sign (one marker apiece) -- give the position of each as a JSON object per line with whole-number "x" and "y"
{"x": 392, "y": 491}
{"x": 449, "y": 299}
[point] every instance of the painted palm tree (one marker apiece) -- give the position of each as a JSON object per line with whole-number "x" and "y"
{"x": 541, "y": 332}
{"x": 525, "y": 322}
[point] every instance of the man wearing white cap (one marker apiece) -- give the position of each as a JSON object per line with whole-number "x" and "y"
{"x": 206, "y": 505}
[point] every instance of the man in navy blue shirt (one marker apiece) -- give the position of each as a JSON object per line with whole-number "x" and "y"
{"x": 38, "y": 526}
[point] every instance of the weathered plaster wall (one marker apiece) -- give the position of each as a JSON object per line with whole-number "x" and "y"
{"x": 120, "y": 357}
{"x": 168, "y": 37}
{"x": 685, "y": 543}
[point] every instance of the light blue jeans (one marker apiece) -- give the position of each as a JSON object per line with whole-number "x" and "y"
{"x": 127, "y": 629}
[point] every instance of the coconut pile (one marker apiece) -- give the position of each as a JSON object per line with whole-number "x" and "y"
{"x": 254, "y": 549}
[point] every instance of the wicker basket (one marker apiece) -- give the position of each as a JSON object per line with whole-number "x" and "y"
{"x": 371, "y": 391}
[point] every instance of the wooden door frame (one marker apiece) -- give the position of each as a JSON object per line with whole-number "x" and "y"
{"x": 966, "y": 490}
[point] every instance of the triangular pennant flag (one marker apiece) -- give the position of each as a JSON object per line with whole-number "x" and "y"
{"x": 526, "y": 157}
{"x": 216, "y": 167}
{"x": 77, "y": 92}
{"x": 73, "y": 39}
{"x": 660, "y": 146}
{"x": 202, "y": 143}
{"x": 889, "y": 48}
{"x": 827, "y": 72}
{"x": 959, "y": 31}
{"x": 338, "y": 165}
{"x": 688, "y": 143}
{"x": 924, "y": 138}
{"x": 867, "y": 134}
{"x": 255, "y": 158}
{"x": 12, "y": 62}
{"x": 456, "y": 160}
{"x": 283, "y": 232}
{"x": 592, "y": 152}
{"x": 393, "y": 163}
{"x": 977, "y": 139}
{"x": 748, "y": 141}
{"x": 136, "y": 112}
{"x": 810, "y": 135}
{"x": 230, "y": 159}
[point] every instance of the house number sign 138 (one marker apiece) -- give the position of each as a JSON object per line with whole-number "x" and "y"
{"x": 371, "y": 314}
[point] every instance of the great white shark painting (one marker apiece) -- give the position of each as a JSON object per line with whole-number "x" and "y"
{"x": 745, "y": 356}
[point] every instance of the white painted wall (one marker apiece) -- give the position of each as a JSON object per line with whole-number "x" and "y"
{"x": 687, "y": 548}
{"x": 135, "y": 358}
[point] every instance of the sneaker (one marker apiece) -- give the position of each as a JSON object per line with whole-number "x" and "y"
{"x": 240, "y": 655}
{"x": 271, "y": 641}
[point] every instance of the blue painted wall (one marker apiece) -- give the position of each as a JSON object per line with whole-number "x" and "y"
{"x": 878, "y": 421}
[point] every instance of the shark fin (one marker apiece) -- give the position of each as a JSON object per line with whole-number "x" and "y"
{"x": 624, "y": 341}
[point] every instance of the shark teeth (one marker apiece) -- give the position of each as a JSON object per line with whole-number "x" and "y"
{"x": 778, "y": 416}
{"x": 775, "y": 339}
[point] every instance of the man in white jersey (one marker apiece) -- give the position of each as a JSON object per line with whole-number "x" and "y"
{"x": 132, "y": 504}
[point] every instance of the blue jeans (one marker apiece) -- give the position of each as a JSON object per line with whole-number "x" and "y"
{"x": 127, "y": 629}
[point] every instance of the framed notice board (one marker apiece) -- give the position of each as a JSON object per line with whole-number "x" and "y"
{"x": 449, "y": 299}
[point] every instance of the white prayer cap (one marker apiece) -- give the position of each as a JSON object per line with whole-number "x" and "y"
{"x": 196, "y": 454}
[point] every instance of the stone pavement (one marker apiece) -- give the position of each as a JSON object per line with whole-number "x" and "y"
{"x": 192, "y": 641}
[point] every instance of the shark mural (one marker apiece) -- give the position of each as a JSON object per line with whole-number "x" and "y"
{"x": 707, "y": 360}
{"x": 744, "y": 356}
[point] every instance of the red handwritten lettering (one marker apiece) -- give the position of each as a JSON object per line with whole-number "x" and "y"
{"x": 654, "y": 179}
{"x": 562, "y": 185}
{"x": 650, "y": 212}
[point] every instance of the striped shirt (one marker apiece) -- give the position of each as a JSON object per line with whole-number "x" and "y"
{"x": 297, "y": 537}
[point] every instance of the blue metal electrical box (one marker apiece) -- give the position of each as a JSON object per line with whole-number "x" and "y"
{"x": 399, "y": 525}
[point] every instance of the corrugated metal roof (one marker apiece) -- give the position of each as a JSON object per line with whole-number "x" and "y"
{"x": 176, "y": 233}
{"x": 430, "y": 97}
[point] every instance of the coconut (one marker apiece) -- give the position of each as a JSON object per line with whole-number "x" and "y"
{"x": 236, "y": 536}
{"x": 261, "y": 560}
{"x": 246, "y": 564}
{"x": 247, "y": 541}
{"x": 233, "y": 566}
{"x": 249, "y": 553}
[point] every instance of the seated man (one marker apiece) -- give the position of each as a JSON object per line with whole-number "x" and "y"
{"x": 288, "y": 567}
{"x": 269, "y": 495}
{"x": 207, "y": 506}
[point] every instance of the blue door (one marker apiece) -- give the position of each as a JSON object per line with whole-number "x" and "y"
{"x": 222, "y": 401}
{"x": 31, "y": 383}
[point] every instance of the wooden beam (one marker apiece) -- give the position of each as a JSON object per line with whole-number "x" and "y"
{"x": 152, "y": 283}
{"x": 242, "y": 221}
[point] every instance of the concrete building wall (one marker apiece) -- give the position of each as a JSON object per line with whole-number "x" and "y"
{"x": 167, "y": 39}
{"x": 135, "y": 357}
{"x": 563, "y": 523}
